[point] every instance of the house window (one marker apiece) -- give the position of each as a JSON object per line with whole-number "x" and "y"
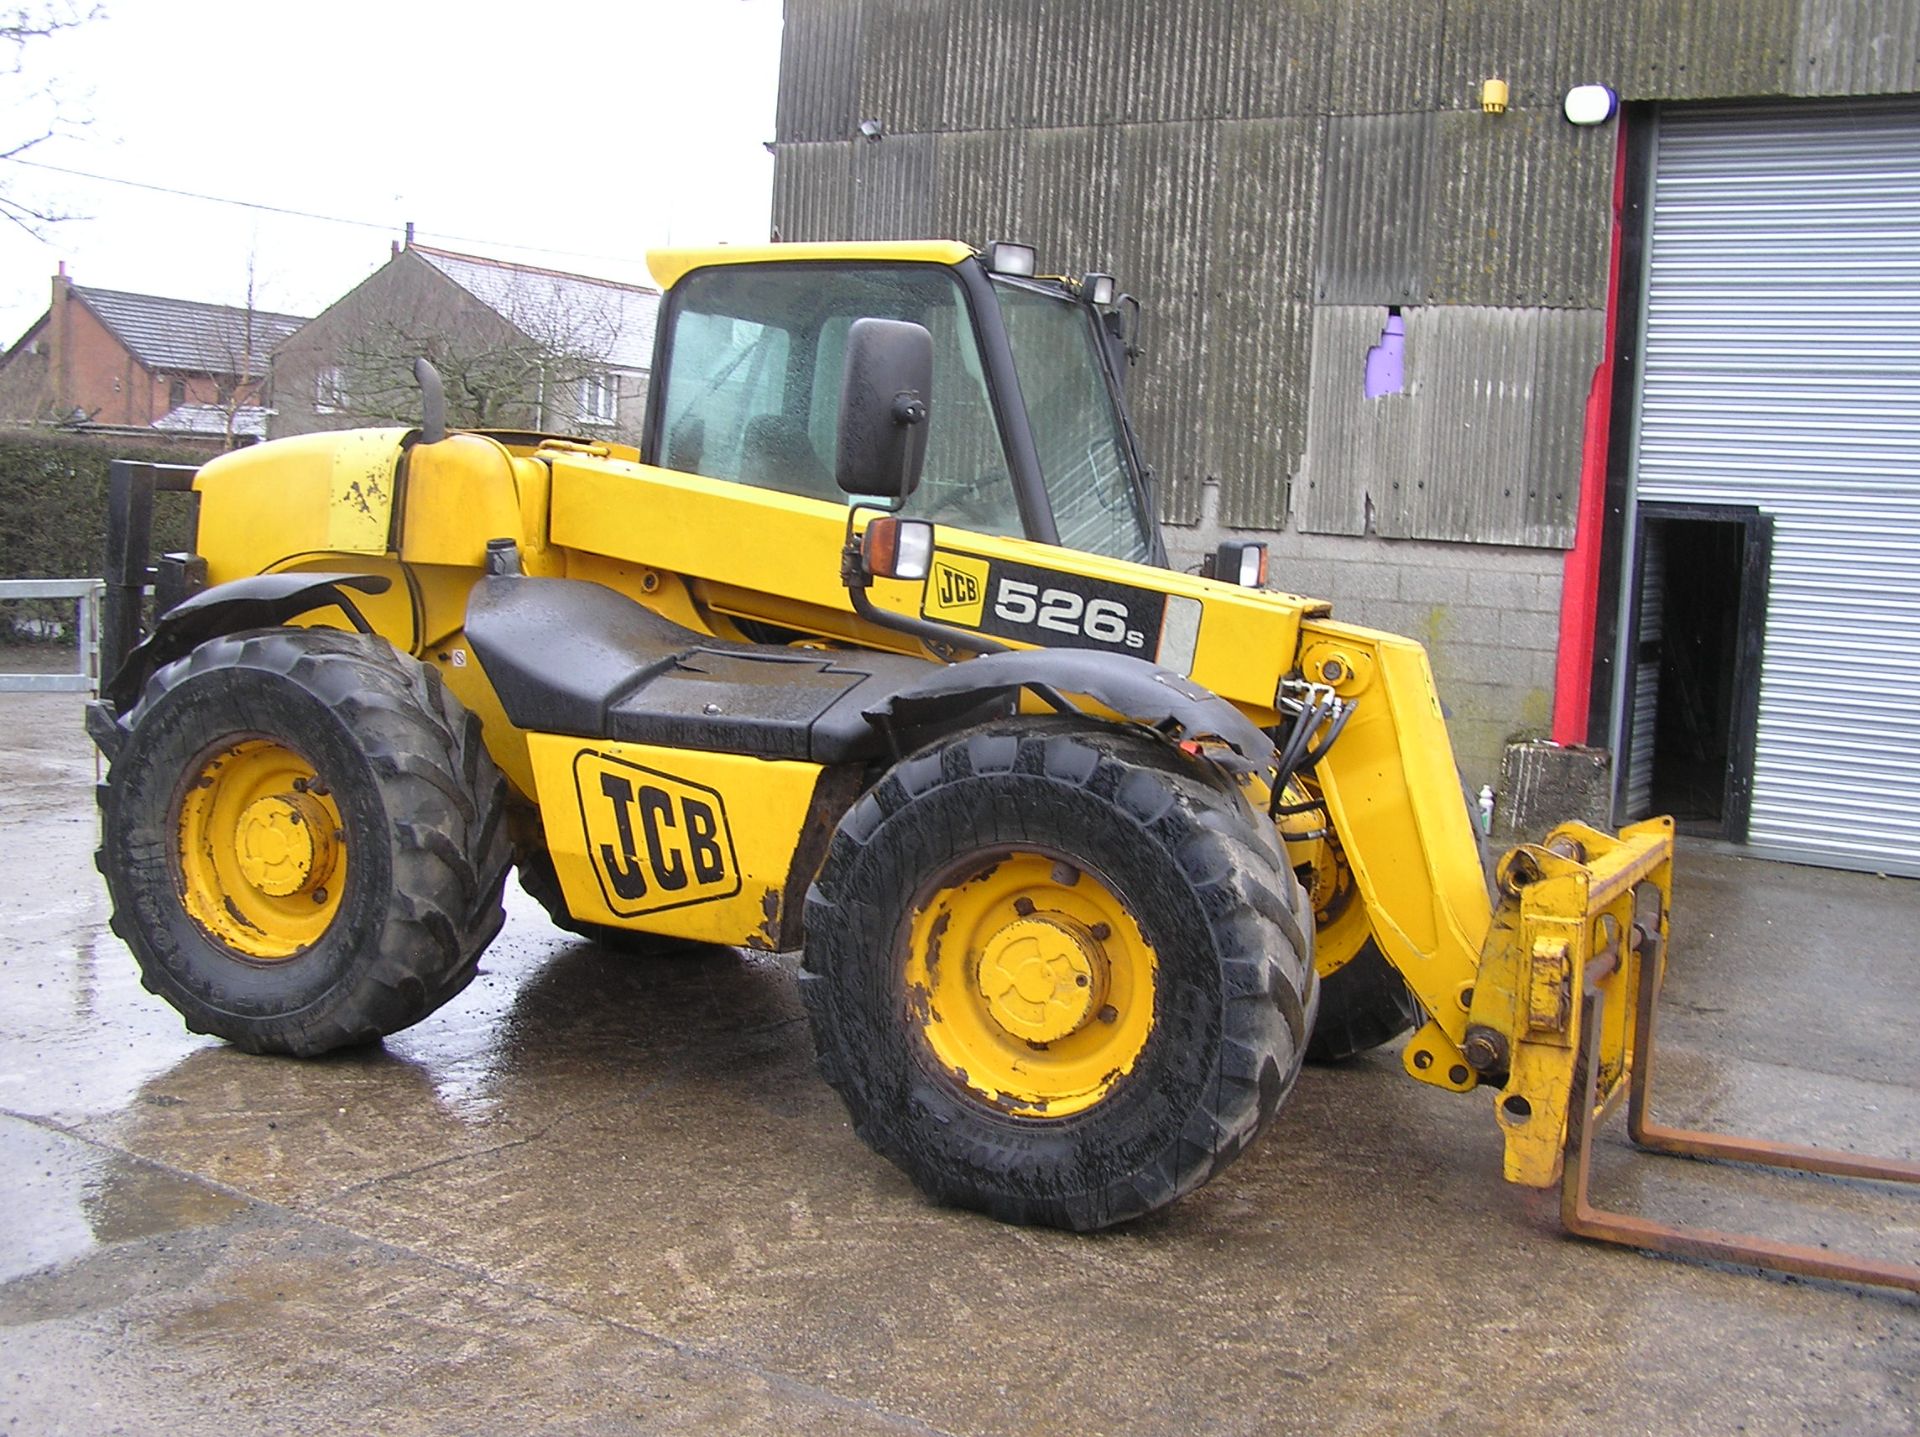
{"x": 329, "y": 391}
{"x": 176, "y": 393}
{"x": 600, "y": 398}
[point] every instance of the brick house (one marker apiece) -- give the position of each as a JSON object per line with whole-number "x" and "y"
{"x": 102, "y": 358}
{"x": 519, "y": 347}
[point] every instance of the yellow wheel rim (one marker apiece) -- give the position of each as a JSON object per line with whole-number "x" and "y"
{"x": 1340, "y": 925}
{"x": 262, "y": 850}
{"x": 1032, "y": 984}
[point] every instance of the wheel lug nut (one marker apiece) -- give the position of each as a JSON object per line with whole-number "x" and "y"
{"x": 320, "y": 895}
{"x": 1100, "y": 933}
{"x": 1023, "y": 906}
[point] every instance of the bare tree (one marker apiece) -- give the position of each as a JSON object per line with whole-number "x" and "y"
{"x": 45, "y": 113}
{"x": 522, "y": 365}
{"x": 246, "y": 348}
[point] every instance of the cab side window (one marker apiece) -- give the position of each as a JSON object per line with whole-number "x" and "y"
{"x": 752, "y": 388}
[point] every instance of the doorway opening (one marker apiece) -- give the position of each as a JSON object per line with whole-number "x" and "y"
{"x": 1700, "y": 607}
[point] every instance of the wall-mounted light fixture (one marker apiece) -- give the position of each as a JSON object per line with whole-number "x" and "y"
{"x": 1493, "y": 96}
{"x": 1591, "y": 104}
{"x": 871, "y": 130}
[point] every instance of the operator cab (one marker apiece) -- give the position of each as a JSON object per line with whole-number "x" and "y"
{"x": 1030, "y": 437}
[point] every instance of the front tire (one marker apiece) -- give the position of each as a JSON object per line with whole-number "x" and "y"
{"x": 1058, "y": 973}
{"x": 303, "y": 840}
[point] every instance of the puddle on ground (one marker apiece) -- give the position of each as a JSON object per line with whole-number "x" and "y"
{"x": 64, "y": 1198}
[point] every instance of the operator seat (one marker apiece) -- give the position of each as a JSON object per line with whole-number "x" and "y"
{"x": 777, "y": 453}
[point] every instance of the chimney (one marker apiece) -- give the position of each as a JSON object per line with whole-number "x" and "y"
{"x": 409, "y": 234}
{"x": 58, "y": 330}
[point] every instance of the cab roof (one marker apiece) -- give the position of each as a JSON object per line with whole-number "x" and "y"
{"x": 669, "y": 266}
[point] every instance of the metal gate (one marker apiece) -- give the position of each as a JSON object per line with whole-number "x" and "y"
{"x": 1781, "y": 369}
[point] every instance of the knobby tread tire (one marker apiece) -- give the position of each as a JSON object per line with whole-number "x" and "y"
{"x": 421, "y": 802}
{"x": 1364, "y": 1003}
{"x": 534, "y": 865}
{"x": 1205, "y": 878}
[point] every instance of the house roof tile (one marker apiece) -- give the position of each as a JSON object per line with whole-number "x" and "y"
{"x": 184, "y": 334}
{"x": 569, "y": 313}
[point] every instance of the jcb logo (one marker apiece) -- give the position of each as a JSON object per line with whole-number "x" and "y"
{"x": 956, "y": 590}
{"x": 656, "y": 841}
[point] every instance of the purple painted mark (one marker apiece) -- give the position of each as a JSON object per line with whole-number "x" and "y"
{"x": 1386, "y": 361}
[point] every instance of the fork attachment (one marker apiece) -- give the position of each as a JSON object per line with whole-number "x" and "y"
{"x": 1591, "y": 1104}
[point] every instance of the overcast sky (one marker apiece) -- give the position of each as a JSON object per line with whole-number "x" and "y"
{"x": 568, "y": 134}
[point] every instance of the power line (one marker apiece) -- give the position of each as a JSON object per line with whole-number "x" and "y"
{"x": 306, "y": 214}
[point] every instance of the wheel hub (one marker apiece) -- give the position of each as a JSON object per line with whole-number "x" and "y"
{"x": 284, "y": 844}
{"x": 1037, "y": 976}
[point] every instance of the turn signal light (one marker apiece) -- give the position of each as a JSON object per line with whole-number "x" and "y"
{"x": 894, "y": 548}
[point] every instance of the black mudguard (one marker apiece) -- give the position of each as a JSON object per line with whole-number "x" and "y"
{"x": 1144, "y": 692}
{"x": 256, "y": 603}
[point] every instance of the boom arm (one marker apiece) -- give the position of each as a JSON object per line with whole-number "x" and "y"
{"x": 1502, "y": 986}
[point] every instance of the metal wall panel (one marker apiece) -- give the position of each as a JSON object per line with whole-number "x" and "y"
{"x": 979, "y": 197}
{"x": 1857, "y": 47}
{"x": 990, "y": 58}
{"x": 813, "y": 191}
{"x": 1168, "y": 392}
{"x": 1265, "y": 198}
{"x": 1373, "y": 210}
{"x": 1477, "y": 391}
{"x": 1172, "y": 63}
{"x": 1511, "y": 40}
{"x": 1256, "y": 434}
{"x": 1707, "y": 49}
{"x": 1277, "y": 57}
{"x": 1076, "y": 222}
{"x": 1482, "y": 442}
{"x": 1354, "y": 443}
{"x": 1074, "y": 55}
{"x": 1544, "y": 512}
{"x": 903, "y": 64}
{"x": 819, "y": 71}
{"x": 893, "y": 186}
{"x": 1782, "y": 369}
{"x": 1386, "y": 57}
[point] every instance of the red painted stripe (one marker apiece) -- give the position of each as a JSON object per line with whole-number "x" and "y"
{"x": 1580, "y": 578}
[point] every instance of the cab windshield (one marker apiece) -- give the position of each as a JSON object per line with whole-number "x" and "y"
{"x": 1083, "y": 456}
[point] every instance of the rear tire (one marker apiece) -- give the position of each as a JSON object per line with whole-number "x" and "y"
{"x": 1146, "y": 881}
{"x": 542, "y": 885}
{"x": 1364, "y": 1003}
{"x": 303, "y": 840}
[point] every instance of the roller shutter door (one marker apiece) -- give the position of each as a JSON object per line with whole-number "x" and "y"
{"x": 1782, "y": 369}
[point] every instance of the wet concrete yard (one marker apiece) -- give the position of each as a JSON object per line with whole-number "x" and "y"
{"x": 599, "y": 1194}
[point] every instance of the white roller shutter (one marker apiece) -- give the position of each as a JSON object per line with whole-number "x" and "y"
{"x": 1782, "y": 369}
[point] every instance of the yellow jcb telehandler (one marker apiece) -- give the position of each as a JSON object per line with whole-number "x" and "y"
{"x": 868, "y": 649}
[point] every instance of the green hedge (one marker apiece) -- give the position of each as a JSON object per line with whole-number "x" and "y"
{"x": 53, "y": 518}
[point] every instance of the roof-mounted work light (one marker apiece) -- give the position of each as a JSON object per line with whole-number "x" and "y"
{"x": 1006, "y": 257}
{"x": 1098, "y": 289}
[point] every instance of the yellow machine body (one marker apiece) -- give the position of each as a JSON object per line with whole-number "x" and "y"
{"x": 718, "y": 846}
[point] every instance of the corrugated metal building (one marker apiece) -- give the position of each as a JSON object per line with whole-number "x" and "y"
{"x": 1291, "y": 185}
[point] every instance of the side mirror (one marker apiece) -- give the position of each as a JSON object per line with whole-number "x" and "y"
{"x": 884, "y": 392}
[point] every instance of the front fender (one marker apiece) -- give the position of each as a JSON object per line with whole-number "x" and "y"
{"x": 1141, "y": 691}
{"x": 254, "y": 603}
